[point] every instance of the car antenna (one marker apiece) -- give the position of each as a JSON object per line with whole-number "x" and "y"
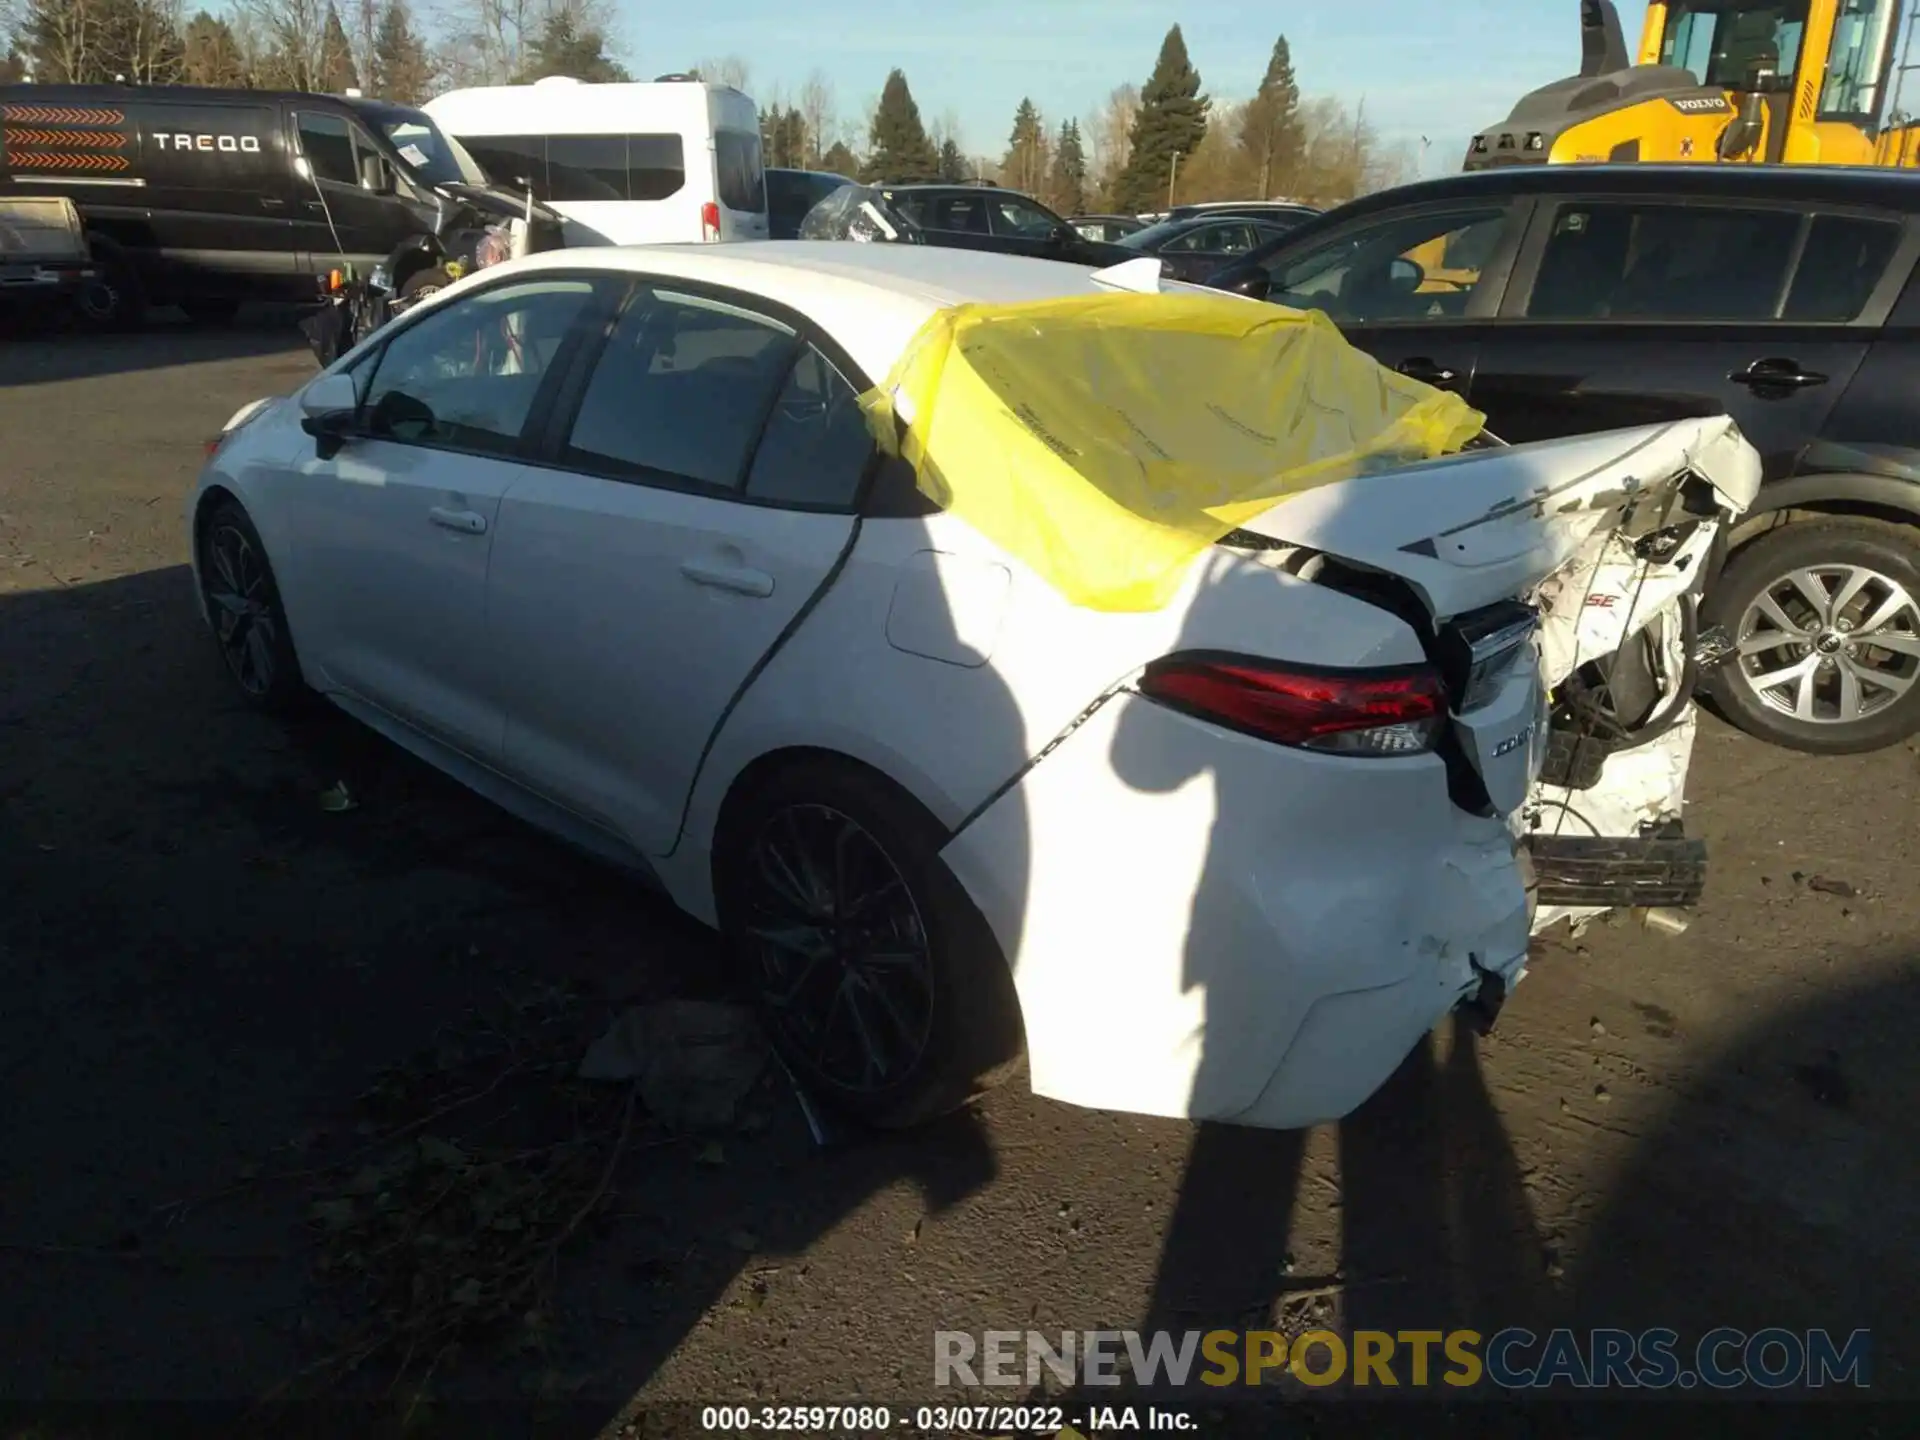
{"x": 325, "y": 209}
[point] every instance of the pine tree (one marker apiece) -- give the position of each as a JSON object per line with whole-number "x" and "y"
{"x": 1068, "y": 186}
{"x": 402, "y": 68}
{"x": 561, "y": 48}
{"x": 336, "y": 57}
{"x": 783, "y": 136}
{"x": 1172, "y": 122}
{"x": 839, "y": 160}
{"x": 210, "y": 53}
{"x": 1025, "y": 164}
{"x": 1270, "y": 128}
{"x": 953, "y": 165}
{"x": 899, "y": 149}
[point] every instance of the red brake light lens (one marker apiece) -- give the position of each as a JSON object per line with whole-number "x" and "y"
{"x": 1351, "y": 712}
{"x": 710, "y": 221}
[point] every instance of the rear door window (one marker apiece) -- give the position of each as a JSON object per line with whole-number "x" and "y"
{"x": 681, "y": 392}
{"x": 964, "y": 213}
{"x": 742, "y": 181}
{"x": 1840, "y": 267}
{"x": 1630, "y": 260}
{"x": 816, "y": 447}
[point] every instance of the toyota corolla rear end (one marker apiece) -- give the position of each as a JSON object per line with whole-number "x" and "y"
{"x": 1259, "y": 870}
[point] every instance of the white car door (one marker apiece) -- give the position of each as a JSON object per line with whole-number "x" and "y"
{"x": 392, "y": 532}
{"x": 703, "y": 494}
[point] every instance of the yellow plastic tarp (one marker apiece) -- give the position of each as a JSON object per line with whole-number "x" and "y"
{"x": 1108, "y": 440}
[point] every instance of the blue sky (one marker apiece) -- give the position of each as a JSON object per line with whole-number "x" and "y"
{"x": 1440, "y": 70}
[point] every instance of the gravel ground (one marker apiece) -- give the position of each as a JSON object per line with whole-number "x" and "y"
{"x": 200, "y": 965}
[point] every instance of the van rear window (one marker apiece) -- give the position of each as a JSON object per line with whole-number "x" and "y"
{"x": 585, "y": 167}
{"x": 742, "y": 181}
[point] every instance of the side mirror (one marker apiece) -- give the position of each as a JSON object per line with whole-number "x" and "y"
{"x": 1244, "y": 278}
{"x": 1743, "y": 132}
{"x": 375, "y": 175}
{"x": 327, "y": 410}
{"x": 1404, "y": 276}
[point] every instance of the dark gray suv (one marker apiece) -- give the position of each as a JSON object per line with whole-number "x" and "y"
{"x": 1561, "y": 299}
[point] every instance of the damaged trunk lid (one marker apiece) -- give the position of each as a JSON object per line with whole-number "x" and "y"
{"x": 1497, "y": 555}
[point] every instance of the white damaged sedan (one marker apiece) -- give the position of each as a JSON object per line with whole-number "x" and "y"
{"x": 606, "y": 536}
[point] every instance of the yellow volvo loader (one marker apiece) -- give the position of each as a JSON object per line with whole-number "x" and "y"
{"x": 1794, "y": 82}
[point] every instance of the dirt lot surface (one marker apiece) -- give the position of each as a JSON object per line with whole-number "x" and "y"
{"x": 202, "y": 968}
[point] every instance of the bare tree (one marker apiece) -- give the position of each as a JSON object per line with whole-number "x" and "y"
{"x": 150, "y": 42}
{"x": 362, "y": 21}
{"x": 1110, "y": 137}
{"x": 728, "y": 70}
{"x": 821, "y": 115}
{"x": 67, "y": 37}
{"x": 485, "y": 41}
{"x": 294, "y": 40}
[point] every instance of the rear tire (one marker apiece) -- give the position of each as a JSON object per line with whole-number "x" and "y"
{"x": 1873, "y": 565}
{"x": 882, "y": 988}
{"x": 114, "y": 298}
{"x": 244, "y": 608}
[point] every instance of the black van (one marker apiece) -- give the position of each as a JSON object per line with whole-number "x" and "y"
{"x": 203, "y": 198}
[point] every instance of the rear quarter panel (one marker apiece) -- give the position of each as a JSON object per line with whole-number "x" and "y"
{"x": 949, "y": 671}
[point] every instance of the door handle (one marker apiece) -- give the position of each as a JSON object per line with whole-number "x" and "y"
{"x": 1777, "y": 375}
{"x": 272, "y": 202}
{"x": 738, "y": 578}
{"x": 467, "y": 522}
{"x": 315, "y": 207}
{"x": 1426, "y": 372}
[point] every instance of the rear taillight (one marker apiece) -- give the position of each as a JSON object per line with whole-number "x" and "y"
{"x": 1400, "y": 711}
{"x": 710, "y": 222}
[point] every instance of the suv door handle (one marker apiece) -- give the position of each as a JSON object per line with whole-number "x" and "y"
{"x": 467, "y": 522}
{"x": 1426, "y": 372}
{"x": 272, "y": 202}
{"x": 1777, "y": 374}
{"x": 740, "y": 579}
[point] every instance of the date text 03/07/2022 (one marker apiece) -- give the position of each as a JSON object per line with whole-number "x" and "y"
{"x": 997, "y": 1420}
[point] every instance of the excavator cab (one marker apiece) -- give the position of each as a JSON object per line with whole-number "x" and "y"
{"x": 1752, "y": 81}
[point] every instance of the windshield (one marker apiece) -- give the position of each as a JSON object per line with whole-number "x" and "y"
{"x": 1750, "y": 45}
{"x": 436, "y": 157}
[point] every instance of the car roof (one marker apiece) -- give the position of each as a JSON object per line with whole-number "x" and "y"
{"x": 1830, "y": 184}
{"x": 970, "y": 187}
{"x": 183, "y": 95}
{"x": 871, "y": 298}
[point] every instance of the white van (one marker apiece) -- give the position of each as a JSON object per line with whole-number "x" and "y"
{"x": 673, "y": 161}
